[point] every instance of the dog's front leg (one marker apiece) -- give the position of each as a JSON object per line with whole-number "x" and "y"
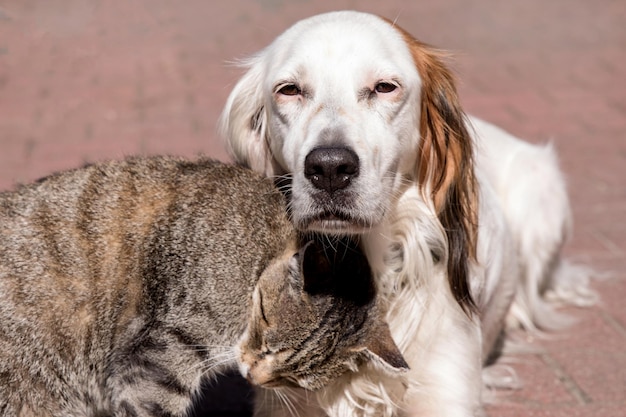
{"x": 446, "y": 366}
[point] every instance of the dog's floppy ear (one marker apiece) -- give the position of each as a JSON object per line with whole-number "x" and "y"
{"x": 243, "y": 122}
{"x": 445, "y": 167}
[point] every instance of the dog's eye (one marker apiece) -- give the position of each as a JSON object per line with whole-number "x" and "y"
{"x": 289, "y": 90}
{"x": 384, "y": 87}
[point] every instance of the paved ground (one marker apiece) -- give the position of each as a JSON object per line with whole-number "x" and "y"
{"x": 83, "y": 80}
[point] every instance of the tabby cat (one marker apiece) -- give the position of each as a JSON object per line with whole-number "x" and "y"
{"x": 124, "y": 284}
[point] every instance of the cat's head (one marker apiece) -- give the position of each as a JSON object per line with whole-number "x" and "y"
{"x": 315, "y": 316}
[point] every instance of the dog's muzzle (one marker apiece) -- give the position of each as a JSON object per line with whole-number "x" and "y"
{"x": 331, "y": 168}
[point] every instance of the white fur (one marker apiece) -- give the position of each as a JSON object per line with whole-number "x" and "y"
{"x": 533, "y": 193}
{"x": 523, "y": 210}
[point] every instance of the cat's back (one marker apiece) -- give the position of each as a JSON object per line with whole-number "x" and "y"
{"x": 67, "y": 245}
{"x": 89, "y": 213}
{"x": 71, "y": 225}
{"x": 222, "y": 230}
{"x": 240, "y": 207}
{"x": 75, "y": 248}
{"x": 81, "y": 235}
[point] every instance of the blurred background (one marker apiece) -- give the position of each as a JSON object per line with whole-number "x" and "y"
{"x": 86, "y": 80}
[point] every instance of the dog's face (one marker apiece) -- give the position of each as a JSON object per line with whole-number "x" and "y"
{"x": 340, "y": 106}
{"x": 353, "y": 109}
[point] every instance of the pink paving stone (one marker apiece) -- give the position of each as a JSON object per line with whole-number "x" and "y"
{"x": 613, "y": 290}
{"x": 590, "y": 410}
{"x": 587, "y": 330}
{"x": 83, "y": 81}
{"x": 600, "y": 373}
{"x": 541, "y": 385}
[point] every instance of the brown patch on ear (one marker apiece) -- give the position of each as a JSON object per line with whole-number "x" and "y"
{"x": 446, "y": 164}
{"x": 382, "y": 352}
{"x": 383, "y": 347}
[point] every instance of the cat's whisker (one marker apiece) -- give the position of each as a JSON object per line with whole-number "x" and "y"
{"x": 266, "y": 397}
{"x": 194, "y": 348}
{"x": 286, "y": 400}
{"x": 204, "y": 368}
{"x": 331, "y": 243}
{"x": 201, "y": 348}
{"x": 301, "y": 396}
{"x": 217, "y": 361}
{"x": 206, "y": 347}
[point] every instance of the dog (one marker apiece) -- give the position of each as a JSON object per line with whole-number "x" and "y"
{"x": 462, "y": 223}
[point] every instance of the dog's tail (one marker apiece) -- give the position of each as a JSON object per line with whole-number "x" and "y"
{"x": 536, "y": 304}
{"x": 571, "y": 285}
{"x": 542, "y": 219}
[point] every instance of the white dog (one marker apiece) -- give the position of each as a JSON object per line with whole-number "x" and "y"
{"x": 462, "y": 223}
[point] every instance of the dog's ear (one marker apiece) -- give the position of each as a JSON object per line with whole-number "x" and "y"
{"x": 445, "y": 167}
{"x": 243, "y": 121}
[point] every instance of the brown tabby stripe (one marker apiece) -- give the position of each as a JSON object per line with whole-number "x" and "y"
{"x": 188, "y": 341}
{"x": 129, "y": 409}
{"x": 160, "y": 375}
{"x": 156, "y": 410}
{"x": 299, "y": 352}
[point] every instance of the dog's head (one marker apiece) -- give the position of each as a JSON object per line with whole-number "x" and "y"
{"x": 353, "y": 109}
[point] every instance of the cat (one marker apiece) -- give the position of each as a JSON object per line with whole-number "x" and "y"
{"x": 126, "y": 283}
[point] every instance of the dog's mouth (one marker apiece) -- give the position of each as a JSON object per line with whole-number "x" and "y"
{"x": 335, "y": 222}
{"x": 331, "y": 215}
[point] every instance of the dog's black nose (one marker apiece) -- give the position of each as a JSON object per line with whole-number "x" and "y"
{"x": 330, "y": 168}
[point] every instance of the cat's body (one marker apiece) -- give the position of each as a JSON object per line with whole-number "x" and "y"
{"x": 123, "y": 284}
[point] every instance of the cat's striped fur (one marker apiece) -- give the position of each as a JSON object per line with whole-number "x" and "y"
{"x": 123, "y": 284}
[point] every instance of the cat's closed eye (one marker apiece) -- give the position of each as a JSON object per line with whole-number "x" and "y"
{"x": 309, "y": 327}
{"x": 262, "y": 309}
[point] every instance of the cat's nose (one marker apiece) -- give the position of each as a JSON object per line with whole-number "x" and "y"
{"x": 259, "y": 373}
{"x": 331, "y": 168}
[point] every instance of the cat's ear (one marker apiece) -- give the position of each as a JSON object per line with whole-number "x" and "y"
{"x": 316, "y": 268}
{"x": 343, "y": 272}
{"x": 383, "y": 353}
